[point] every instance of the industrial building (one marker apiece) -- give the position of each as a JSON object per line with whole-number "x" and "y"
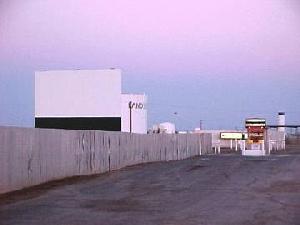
{"x": 87, "y": 100}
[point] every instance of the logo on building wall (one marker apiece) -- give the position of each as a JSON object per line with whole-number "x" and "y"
{"x": 136, "y": 105}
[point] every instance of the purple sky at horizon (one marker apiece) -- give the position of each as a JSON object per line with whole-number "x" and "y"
{"x": 216, "y": 61}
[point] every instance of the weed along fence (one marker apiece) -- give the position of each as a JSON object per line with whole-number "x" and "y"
{"x": 31, "y": 156}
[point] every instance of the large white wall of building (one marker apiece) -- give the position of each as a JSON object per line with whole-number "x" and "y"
{"x": 138, "y": 114}
{"x": 78, "y": 93}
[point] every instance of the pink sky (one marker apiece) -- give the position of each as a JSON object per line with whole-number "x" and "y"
{"x": 166, "y": 40}
{"x": 196, "y": 34}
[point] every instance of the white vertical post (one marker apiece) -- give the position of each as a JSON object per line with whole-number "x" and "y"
{"x": 236, "y": 145}
{"x": 200, "y": 150}
{"x": 231, "y": 144}
{"x": 284, "y": 138}
{"x": 244, "y": 147}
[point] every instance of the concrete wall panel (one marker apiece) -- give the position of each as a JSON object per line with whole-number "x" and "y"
{"x": 33, "y": 156}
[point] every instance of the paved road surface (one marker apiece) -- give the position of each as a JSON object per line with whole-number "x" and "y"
{"x": 226, "y": 189}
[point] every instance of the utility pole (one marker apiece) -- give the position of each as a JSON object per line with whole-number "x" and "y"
{"x": 200, "y": 124}
{"x": 176, "y": 121}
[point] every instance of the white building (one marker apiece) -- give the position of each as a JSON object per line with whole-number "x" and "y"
{"x": 134, "y": 113}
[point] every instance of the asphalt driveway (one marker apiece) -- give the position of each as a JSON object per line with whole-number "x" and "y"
{"x": 225, "y": 189}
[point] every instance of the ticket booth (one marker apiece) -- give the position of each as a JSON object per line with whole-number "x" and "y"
{"x": 255, "y": 144}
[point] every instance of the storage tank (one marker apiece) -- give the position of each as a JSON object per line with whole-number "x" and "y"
{"x": 281, "y": 121}
{"x": 168, "y": 128}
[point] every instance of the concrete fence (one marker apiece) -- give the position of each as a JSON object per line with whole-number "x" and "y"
{"x": 275, "y": 140}
{"x": 293, "y": 139}
{"x": 31, "y": 156}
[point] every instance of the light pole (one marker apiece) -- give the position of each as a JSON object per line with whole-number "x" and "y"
{"x": 130, "y": 116}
